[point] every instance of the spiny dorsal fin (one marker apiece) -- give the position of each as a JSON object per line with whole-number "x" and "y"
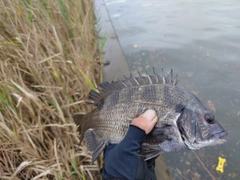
{"x": 107, "y": 88}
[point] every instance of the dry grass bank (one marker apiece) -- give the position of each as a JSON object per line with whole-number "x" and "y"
{"x": 49, "y": 59}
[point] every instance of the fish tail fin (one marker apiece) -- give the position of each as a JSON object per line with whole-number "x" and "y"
{"x": 94, "y": 143}
{"x": 80, "y": 120}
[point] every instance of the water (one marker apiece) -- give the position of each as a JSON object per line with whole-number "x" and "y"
{"x": 200, "y": 40}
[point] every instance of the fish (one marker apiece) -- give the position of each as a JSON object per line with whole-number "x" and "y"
{"x": 183, "y": 121}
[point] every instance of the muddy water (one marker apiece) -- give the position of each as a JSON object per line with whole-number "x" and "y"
{"x": 200, "y": 40}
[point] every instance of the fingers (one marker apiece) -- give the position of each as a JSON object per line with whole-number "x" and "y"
{"x": 150, "y": 115}
{"x": 146, "y": 121}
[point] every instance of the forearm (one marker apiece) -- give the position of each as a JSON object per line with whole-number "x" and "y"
{"x": 122, "y": 161}
{"x": 123, "y": 158}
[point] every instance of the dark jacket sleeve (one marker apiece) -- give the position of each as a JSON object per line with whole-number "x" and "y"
{"x": 122, "y": 161}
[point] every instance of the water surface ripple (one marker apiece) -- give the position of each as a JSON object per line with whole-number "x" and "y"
{"x": 200, "y": 40}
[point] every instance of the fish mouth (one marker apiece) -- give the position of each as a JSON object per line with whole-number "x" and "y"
{"x": 220, "y": 136}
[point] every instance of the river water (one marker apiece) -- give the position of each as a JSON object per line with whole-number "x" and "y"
{"x": 200, "y": 40}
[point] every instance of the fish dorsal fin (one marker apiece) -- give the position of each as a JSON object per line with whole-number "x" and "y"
{"x": 106, "y": 88}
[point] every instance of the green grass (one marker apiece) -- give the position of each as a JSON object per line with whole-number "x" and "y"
{"x": 49, "y": 61}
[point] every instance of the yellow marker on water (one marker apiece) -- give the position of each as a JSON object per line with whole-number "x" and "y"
{"x": 221, "y": 162}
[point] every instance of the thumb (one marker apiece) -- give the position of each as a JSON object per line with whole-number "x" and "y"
{"x": 150, "y": 115}
{"x": 146, "y": 121}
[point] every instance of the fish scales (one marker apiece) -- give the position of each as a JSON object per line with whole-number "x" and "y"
{"x": 126, "y": 109}
{"x": 182, "y": 122}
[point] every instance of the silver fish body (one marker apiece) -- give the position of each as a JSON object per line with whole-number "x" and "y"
{"x": 184, "y": 123}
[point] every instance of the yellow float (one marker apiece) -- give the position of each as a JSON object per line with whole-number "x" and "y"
{"x": 221, "y": 162}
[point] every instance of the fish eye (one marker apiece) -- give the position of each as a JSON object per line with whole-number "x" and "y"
{"x": 210, "y": 118}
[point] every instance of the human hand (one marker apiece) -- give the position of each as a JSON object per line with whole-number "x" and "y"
{"x": 146, "y": 121}
{"x": 122, "y": 160}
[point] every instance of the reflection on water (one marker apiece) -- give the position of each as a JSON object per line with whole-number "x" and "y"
{"x": 200, "y": 40}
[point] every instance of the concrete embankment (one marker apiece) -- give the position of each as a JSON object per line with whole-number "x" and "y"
{"x": 117, "y": 65}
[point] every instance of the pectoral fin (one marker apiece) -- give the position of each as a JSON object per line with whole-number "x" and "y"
{"x": 150, "y": 152}
{"x": 157, "y": 136}
{"x": 94, "y": 143}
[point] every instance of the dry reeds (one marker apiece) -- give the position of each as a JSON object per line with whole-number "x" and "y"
{"x": 48, "y": 63}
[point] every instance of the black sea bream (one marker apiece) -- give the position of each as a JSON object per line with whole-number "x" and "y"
{"x": 184, "y": 123}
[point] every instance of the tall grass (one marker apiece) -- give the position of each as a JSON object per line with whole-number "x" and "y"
{"x": 49, "y": 60}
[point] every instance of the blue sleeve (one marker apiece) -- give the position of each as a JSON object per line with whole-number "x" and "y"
{"x": 122, "y": 160}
